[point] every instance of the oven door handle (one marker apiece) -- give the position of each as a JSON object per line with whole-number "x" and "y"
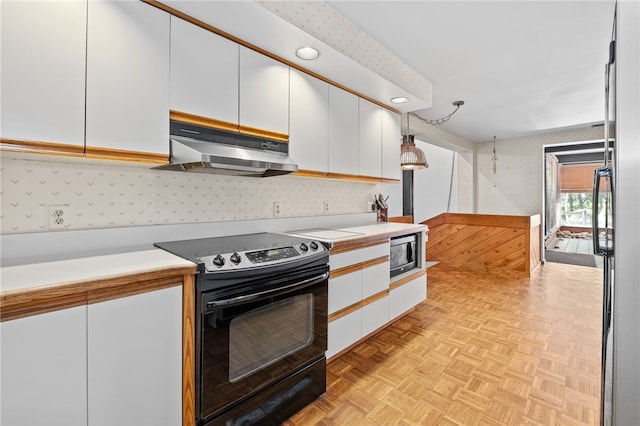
{"x": 273, "y": 292}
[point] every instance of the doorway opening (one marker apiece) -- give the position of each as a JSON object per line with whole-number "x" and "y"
{"x": 569, "y": 171}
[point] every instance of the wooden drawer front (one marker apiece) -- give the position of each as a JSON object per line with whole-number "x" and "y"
{"x": 375, "y": 315}
{"x": 405, "y": 297}
{"x": 347, "y": 258}
{"x": 375, "y": 279}
{"x": 345, "y": 291}
{"x": 343, "y": 332}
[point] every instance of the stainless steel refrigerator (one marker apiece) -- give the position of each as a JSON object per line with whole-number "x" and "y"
{"x": 604, "y": 230}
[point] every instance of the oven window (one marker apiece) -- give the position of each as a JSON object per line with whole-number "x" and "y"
{"x": 266, "y": 335}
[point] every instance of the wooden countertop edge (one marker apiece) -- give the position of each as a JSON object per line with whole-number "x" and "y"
{"x": 503, "y": 221}
{"x": 38, "y": 300}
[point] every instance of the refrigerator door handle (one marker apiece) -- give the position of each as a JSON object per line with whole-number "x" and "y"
{"x": 599, "y": 174}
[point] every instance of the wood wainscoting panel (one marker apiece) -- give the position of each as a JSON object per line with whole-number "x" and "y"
{"x": 485, "y": 241}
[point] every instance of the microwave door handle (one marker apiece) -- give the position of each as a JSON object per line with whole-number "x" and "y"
{"x": 268, "y": 293}
{"x": 410, "y": 252}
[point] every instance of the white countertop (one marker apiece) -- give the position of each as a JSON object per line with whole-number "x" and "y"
{"x": 333, "y": 235}
{"x": 61, "y": 272}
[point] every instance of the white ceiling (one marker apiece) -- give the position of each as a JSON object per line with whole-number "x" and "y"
{"x": 520, "y": 66}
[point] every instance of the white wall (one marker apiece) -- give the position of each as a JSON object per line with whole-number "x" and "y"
{"x": 432, "y": 186}
{"x": 516, "y": 187}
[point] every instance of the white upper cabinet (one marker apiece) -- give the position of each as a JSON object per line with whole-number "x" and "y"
{"x": 43, "y": 59}
{"x": 204, "y": 72}
{"x": 391, "y": 141}
{"x": 44, "y": 369}
{"x": 343, "y": 131}
{"x": 369, "y": 139}
{"x": 309, "y": 122}
{"x": 127, "y": 77}
{"x": 264, "y": 92}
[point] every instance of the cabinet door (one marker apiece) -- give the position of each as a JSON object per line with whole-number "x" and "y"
{"x": 343, "y": 131}
{"x": 408, "y": 295}
{"x": 264, "y": 92}
{"x": 204, "y": 72}
{"x": 375, "y": 279}
{"x": 391, "y": 141}
{"x": 135, "y": 359}
{"x": 43, "y": 60}
{"x": 343, "y": 332}
{"x": 309, "y": 122}
{"x": 369, "y": 139}
{"x": 127, "y": 77}
{"x": 375, "y": 315}
{"x": 344, "y": 290}
{"x": 44, "y": 369}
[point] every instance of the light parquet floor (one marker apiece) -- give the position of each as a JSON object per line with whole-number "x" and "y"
{"x": 485, "y": 348}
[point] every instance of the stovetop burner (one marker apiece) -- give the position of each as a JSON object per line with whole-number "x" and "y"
{"x": 243, "y": 252}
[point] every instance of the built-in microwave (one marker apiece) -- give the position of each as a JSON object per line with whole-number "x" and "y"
{"x": 404, "y": 254}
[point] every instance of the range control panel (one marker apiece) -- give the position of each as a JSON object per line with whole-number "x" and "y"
{"x": 268, "y": 256}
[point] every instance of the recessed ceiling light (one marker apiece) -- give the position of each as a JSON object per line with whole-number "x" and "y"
{"x": 399, "y": 100}
{"x": 307, "y": 53}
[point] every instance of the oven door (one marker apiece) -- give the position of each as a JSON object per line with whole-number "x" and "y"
{"x": 257, "y": 335}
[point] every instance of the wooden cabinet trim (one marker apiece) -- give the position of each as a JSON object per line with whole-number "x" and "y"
{"x": 358, "y": 266}
{"x": 34, "y": 301}
{"x": 188, "y": 350}
{"x": 185, "y": 117}
{"x": 343, "y": 176}
{"x": 38, "y": 147}
{"x": 345, "y": 311}
{"x": 125, "y": 155}
{"x": 374, "y": 298}
{"x": 364, "y": 302}
{"x": 53, "y": 148}
{"x": 198, "y": 120}
{"x": 358, "y": 243}
{"x": 407, "y": 279}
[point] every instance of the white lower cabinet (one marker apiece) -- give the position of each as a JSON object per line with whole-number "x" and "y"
{"x": 375, "y": 315}
{"x": 375, "y": 279}
{"x": 364, "y": 293}
{"x": 117, "y": 362}
{"x": 135, "y": 359}
{"x": 344, "y": 291}
{"x": 408, "y": 295}
{"x": 44, "y": 369}
{"x": 344, "y": 332}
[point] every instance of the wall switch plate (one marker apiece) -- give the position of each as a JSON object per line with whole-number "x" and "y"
{"x": 58, "y": 216}
{"x": 326, "y": 207}
{"x": 276, "y": 209}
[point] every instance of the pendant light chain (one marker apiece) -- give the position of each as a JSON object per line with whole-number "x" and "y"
{"x": 439, "y": 121}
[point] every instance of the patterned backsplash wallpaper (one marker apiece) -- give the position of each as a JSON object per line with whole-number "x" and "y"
{"x": 33, "y": 194}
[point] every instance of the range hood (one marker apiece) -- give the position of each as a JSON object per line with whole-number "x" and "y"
{"x": 201, "y": 149}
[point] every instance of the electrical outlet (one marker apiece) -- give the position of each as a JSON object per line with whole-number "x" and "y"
{"x": 276, "y": 209}
{"x": 326, "y": 207}
{"x": 58, "y": 216}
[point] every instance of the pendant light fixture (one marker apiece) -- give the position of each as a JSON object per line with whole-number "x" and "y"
{"x": 411, "y": 157}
